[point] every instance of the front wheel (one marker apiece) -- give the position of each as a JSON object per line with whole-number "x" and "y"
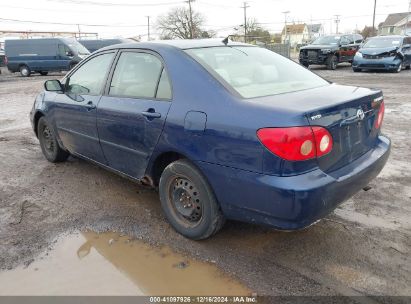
{"x": 332, "y": 62}
{"x": 43, "y": 73}
{"x": 49, "y": 144}
{"x": 188, "y": 201}
{"x": 398, "y": 70}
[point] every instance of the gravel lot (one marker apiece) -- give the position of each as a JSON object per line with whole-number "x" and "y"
{"x": 363, "y": 248}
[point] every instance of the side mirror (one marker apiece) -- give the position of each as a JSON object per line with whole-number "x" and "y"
{"x": 406, "y": 46}
{"x": 53, "y": 86}
{"x": 69, "y": 53}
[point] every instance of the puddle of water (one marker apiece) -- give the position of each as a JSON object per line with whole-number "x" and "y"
{"x": 109, "y": 264}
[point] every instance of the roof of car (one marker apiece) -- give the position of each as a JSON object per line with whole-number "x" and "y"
{"x": 181, "y": 44}
{"x": 388, "y": 36}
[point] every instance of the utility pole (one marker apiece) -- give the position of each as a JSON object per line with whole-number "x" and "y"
{"x": 148, "y": 28}
{"x": 285, "y": 25}
{"x": 79, "y": 33}
{"x": 337, "y": 21}
{"x": 373, "y": 17}
{"x": 191, "y": 18}
{"x": 245, "y": 6}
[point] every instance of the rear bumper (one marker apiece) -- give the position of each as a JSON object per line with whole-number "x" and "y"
{"x": 388, "y": 64}
{"x": 294, "y": 202}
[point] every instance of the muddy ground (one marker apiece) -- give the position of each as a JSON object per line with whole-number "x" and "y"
{"x": 363, "y": 248}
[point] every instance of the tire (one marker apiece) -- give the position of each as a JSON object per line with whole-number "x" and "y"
{"x": 398, "y": 70}
{"x": 48, "y": 143}
{"x": 72, "y": 65}
{"x": 188, "y": 201}
{"x": 24, "y": 70}
{"x": 305, "y": 64}
{"x": 43, "y": 73}
{"x": 332, "y": 62}
{"x": 356, "y": 70}
{"x": 408, "y": 67}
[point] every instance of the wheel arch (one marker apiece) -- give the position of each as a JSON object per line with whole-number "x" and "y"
{"x": 36, "y": 119}
{"x": 159, "y": 163}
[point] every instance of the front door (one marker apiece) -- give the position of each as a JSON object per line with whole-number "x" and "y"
{"x": 131, "y": 116}
{"x": 75, "y": 110}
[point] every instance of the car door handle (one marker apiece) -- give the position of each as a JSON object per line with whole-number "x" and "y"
{"x": 90, "y": 106}
{"x": 150, "y": 113}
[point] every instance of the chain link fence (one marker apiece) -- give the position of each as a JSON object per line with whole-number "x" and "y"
{"x": 280, "y": 48}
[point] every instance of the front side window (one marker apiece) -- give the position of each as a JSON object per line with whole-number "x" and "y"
{"x": 89, "y": 79}
{"x": 137, "y": 75}
{"x": 255, "y": 72}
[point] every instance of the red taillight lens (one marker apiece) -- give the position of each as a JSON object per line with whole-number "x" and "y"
{"x": 296, "y": 143}
{"x": 380, "y": 116}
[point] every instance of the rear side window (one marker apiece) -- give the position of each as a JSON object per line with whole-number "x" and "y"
{"x": 255, "y": 72}
{"x": 139, "y": 75}
{"x": 89, "y": 79}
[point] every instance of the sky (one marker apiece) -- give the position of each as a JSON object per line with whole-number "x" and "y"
{"x": 128, "y": 18}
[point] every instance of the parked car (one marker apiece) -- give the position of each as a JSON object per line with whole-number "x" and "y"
{"x": 2, "y": 58}
{"x": 330, "y": 50}
{"x": 390, "y": 53}
{"x": 43, "y": 55}
{"x": 95, "y": 44}
{"x": 223, "y": 131}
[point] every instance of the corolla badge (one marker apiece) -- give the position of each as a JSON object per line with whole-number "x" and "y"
{"x": 360, "y": 114}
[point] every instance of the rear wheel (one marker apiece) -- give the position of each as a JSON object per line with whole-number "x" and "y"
{"x": 188, "y": 201}
{"x": 43, "y": 73}
{"x": 49, "y": 144}
{"x": 25, "y": 71}
{"x": 305, "y": 64}
{"x": 332, "y": 62}
{"x": 356, "y": 70}
{"x": 408, "y": 67}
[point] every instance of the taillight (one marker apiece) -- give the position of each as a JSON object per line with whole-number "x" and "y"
{"x": 296, "y": 143}
{"x": 380, "y": 116}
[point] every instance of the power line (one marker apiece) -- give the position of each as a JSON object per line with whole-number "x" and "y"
{"x": 76, "y": 24}
{"x": 87, "y": 2}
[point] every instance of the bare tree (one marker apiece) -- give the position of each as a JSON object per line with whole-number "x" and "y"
{"x": 176, "y": 24}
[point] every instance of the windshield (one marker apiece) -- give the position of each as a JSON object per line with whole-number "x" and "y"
{"x": 255, "y": 72}
{"x": 78, "y": 48}
{"x": 382, "y": 42}
{"x": 327, "y": 40}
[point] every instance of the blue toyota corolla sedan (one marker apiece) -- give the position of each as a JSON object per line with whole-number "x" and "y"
{"x": 223, "y": 130}
{"x": 389, "y": 53}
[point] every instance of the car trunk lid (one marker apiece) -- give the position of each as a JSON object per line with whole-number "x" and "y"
{"x": 352, "y": 127}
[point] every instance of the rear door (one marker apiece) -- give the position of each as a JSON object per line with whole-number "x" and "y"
{"x": 75, "y": 110}
{"x": 131, "y": 115}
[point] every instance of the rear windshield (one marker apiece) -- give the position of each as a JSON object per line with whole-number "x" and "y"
{"x": 255, "y": 72}
{"x": 382, "y": 42}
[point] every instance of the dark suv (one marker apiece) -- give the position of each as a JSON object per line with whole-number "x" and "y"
{"x": 331, "y": 50}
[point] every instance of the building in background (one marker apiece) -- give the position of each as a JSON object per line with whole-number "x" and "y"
{"x": 295, "y": 34}
{"x": 395, "y": 24}
{"x": 314, "y": 31}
